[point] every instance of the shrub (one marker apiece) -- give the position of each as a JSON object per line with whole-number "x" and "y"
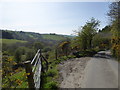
{"x": 51, "y": 73}
{"x": 51, "y": 85}
{"x": 29, "y": 54}
{"x": 83, "y": 53}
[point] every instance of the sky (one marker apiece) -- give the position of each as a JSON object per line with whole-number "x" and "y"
{"x": 51, "y": 17}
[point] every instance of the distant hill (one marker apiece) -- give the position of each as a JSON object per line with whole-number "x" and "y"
{"x": 51, "y": 38}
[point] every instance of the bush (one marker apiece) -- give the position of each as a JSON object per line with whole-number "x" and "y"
{"x": 116, "y": 51}
{"x": 30, "y": 53}
{"x": 19, "y": 54}
{"x": 84, "y": 53}
{"x": 46, "y": 49}
{"x": 38, "y": 45}
{"x": 51, "y": 73}
{"x": 51, "y": 85}
{"x": 5, "y": 53}
{"x": 70, "y": 56}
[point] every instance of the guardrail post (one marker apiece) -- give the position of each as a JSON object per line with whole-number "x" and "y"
{"x": 28, "y": 68}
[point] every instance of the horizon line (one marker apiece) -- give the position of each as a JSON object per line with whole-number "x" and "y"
{"x": 38, "y": 32}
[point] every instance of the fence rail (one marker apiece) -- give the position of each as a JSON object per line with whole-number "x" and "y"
{"x": 34, "y": 69}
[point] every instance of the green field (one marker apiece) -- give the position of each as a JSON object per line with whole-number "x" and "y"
{"x": 53, "y": 37}
{"x": 11, "y": 41}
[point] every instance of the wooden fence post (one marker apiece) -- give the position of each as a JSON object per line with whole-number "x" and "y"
{"x": 28, "y": 68}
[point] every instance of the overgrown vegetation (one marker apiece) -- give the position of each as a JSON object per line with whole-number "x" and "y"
{"x": 86, "y": 43}
{"x": 19, "y": 46}
{"x": 12, "y": 77}
{"x": 114, "y": 14}
{"x": 50, "y": 78}
{"x": 91, "y": 40}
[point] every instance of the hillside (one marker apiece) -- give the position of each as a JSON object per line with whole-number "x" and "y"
{"x": 12, "y": 41}
{"x": 53, "y": 37}
{"x": 7, "y": 34}
{"x": 32, "y": 37}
